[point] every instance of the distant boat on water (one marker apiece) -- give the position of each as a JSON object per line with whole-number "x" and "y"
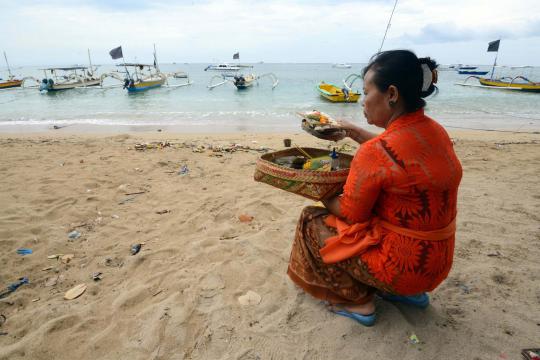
{"x": 472, "y": 72}
{"x": 519, "y": 83}
{"x": 342, "y": 66}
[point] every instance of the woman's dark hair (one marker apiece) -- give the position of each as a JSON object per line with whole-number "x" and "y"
{"x": 404, "y": 70}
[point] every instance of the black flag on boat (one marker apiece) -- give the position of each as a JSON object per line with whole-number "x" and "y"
{"x": 116, "y": 53}
{"x": 236, "y": 56}
{"x": 494, "y": 46}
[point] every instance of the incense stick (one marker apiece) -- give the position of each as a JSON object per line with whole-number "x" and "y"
{"x": 303, "y": 152}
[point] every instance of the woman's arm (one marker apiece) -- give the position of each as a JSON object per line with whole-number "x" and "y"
{"x": 332, "y": 205}
{"x": 355, "y": 132}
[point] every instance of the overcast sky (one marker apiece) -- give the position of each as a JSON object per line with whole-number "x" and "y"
{"x": 58, "y": 32}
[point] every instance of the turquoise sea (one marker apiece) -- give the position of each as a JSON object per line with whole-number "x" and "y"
{"x": 196, "y": 109}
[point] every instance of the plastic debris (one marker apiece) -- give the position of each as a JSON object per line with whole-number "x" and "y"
{"x": 250, "y": 298}
{"x": 24, "y": 252}
{"x": 135, "y": 248}
{"x": 75, "y": 292}
{"x": 114, "y": 216}
{"x": 413, "y": 339}
{"x": 245, "y": 218}
{"x": 74, "y": 235}
{"x": 3, "y": 319}
{"x": 54, "y": 256}
{"x": 97, "y": 276}
{"x": 161, "y": 212}
{"x": 14, "y": 286}
{"x": 183, "y": 170}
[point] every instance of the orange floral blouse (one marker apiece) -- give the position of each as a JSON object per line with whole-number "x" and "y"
{"x": 407, "y": 176}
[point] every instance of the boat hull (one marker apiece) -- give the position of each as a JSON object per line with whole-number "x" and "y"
{"x": 69, "y": 86}
{"x": 10, "y": 84}
{"x": 472, "y": 72}
{"x": 335, "y": 94}
{"x": 534, "y": 87}
{"x": 145, "y": 85}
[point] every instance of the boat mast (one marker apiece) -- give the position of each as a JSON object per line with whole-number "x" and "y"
{"x": 90, "y": 62}
{"x": 388, "y": 26}
{"x": 155, "y": 59}
{"x": 495, "y": 63}
{"x": 9, "y": 70}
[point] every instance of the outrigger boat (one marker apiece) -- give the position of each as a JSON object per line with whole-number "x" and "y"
{"x": 140, "y": 80}
{"x": 335, "y": 94}
{"x": 65, "y": 78}
{"x": 11, "y": 81}
{"x": 242, "y": 82}
{"x": 520, "y": 82}
{"x": 144, "y": 76}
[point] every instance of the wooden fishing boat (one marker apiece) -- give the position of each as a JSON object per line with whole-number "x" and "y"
{"x": 11, "y": 81}
{"x": 143, "y": 77}
{"x": 524, "y": 84}
{"x": 336, "y": 94}
{"x": 242, "y": 82}
{"x": 517, "y": 83}
{"x": 66, "y": 78}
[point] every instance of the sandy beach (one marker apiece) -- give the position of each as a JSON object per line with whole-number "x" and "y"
{"x": 178, "y": 298}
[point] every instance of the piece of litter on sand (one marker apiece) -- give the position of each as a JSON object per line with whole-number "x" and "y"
{"x": 245, "y": 218}
{"x": 249, "y": 298}
{"x": 2, "y": 333}
{"x": 135, "y": 248}
{"x": 531, "y": 354}
{"x": 413, "y": 339}
{"x": 75, "y": 292}
{"x": 47, "y": 268}
{"x": 74, "y": 234}
{"x": 13, "y": 286}
{"x": 114, "y": 216}
{"x": 161, "y": 212}
{"x": 3, "y": 319}
{"x": 465, "y": 289}
{"x": 36, "y": 299}
{"x": 97, "y": 276}
{"x": 24, "y": 252}
{"x": 126, "y": 200}
{"x": 51, "y": 281}
{"x": 54, "y": 256}
{"x": 157, "y": 293}
{"x": 183, "y": 170}
{"x": 67, "y": 258}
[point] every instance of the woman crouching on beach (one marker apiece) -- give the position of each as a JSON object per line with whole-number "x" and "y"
{"x": 391, "y": 232}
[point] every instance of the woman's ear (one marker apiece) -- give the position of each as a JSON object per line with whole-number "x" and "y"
{"x": 393, "y": 94}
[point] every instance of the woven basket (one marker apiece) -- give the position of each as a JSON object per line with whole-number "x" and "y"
{"x": 315, "y": 185}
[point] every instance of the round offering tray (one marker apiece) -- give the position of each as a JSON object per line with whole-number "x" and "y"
{"x": 312, "y": 184}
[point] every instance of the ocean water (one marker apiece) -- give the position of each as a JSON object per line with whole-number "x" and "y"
{"x": 196, "y": 109}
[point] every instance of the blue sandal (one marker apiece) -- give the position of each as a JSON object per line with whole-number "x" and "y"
{"x": 366, "y": 320}
{"x": 420, "y": 300}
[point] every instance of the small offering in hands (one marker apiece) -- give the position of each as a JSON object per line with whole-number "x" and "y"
{"x": 321, "y": 125}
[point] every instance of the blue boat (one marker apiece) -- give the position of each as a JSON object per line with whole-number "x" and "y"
{"x": 472, "y": 72}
